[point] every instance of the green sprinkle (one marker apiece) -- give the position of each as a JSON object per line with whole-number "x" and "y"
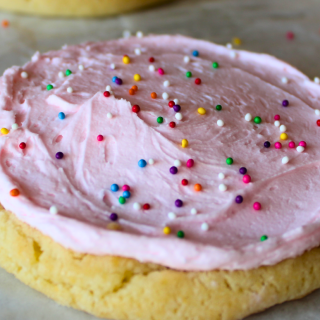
{"x": 49, "y": 87}
{"x": 189, "y": 74}
{"x": 218, "y": 107}
{"x": 180, "y": 234}
{"x": 159, "y": 119}
{"x": 229, "y": 161}
{"x": 122, "y": 200}
{"x": 215, "y": 65}
{"x": 257, "y": 120}
{"x": 68, "y": 72}
{"x": 264, "y": 238}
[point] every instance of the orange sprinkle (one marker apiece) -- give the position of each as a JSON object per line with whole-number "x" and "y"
{"x": 131, "y": 92}
{"x": 5, "y": 23}
{"x": 197, "y": 187}
{"x": 114, "y": 226}
{"x": 14, "y": 192}
{"x": 135, "y": 88}
{"x": 153, "y": 95}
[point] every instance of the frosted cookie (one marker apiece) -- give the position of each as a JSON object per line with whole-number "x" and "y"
{"x": 165, "y": 168}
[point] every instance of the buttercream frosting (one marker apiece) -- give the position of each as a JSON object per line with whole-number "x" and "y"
{"x": 218, "y": 231}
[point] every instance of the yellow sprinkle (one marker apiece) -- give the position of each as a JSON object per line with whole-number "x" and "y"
{"x": 202, "y": 111}
{"x": 236, "y": 41}
{"x": 184, "y": 143}
{"x": 166, "y": 230}
{"x": 137, "y": 77}
{"x": 283, "y": 136}
{"x": 113, "y": 226}
{"x": 126, "y": 59}
{"x": 4, "y": 131}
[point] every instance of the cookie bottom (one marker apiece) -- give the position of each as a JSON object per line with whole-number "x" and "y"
{"x": 75, "y": 8}
{"x": 125, "y": 289}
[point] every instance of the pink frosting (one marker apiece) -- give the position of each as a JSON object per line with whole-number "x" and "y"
{"x": 79, "y": 184}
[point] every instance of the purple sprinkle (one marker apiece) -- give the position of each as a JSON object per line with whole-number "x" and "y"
{"x": 113, "y": 217}
{"x": 267, "y": 144}
{"x": 173, "y": 170}
{"x": 59, "y": 155}
{"x": 239, "y": 199}
{"x": 243, "y": 170}
{"x": 285, "y": 103}
{"x": 176, "y": 108}
{"x": 118, "y": 81}
{"x": 178, "y": 203}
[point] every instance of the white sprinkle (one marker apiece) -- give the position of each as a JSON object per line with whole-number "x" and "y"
{"x": 316, "y": 80}
{"x": 139, "y": 34}
{"x": 248, "y": 117}
{"x": 165, "y": 96}
{"x": 81, "y": 67}
{"x": 15, "y": 126}
{"x": 137, "y": 206}
{"x": 284, "y": 80}
{"x": 137, "y": 51}
{"x": 112, "y": 66}
{"x": 176, "y": 101}
{"x": 166, "y": 83}
{"x": 178, "y": 116}
{"x": 229, "y": 45}
{"x": 221, "y": 176}
{"x": 283, "y": 128}
{"x": 171, "y": 215}
{"x": 152, "y": 68}
{"x": 53, "y": 210}
{"x": 285, "y": 160}
{"x": 69, "y": 90}
{"x": 204, "y": 226}
{"x": 220, "y": 123}
{"x": 222, "y": 187}
{"x": 151, "y": 161}
{"x": 277, "y": 123}
{"x": 126, "y": 34}
{"x": 109, "y": 115}
{"x": 233, "y": 54}
{"x": 61, "y": 74}
{"x": 193, "y": 211}
{"x": 177, "y": 163}
{"x": 108, "y": 88}
{"x": 300, "y": 149}
{"x": 317, "y": 112}
{"x": 24, "y": 75}
{"x": 186, "y": 59}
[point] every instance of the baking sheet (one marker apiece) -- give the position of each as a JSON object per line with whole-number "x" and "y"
{"x": 262, "y": 26}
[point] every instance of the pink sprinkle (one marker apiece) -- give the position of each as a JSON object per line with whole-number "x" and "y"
{"x": 276, "y": 117}
{"x": 290, "y": 35}
{"x": 125, "y": 188}
{"x": 292, "y": 145}
{"x": 303, "y": 144}
{"x": 257, "y": 206}
{"x": 278, "y": 145}
{"x": 161, "y": 71}
{"x": 246, "y": 178}
{"x": 190, "y": 163}
{"x": 100, "y": 137}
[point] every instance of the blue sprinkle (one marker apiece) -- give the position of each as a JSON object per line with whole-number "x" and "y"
{"x": 142, "y": 163}
{"x": 126, "y": 194}
{"x": 114, "y": 79}
{"x": 61, "y": 115}
{"x": 195, "y": 53}
{"x": 114, "y": 187}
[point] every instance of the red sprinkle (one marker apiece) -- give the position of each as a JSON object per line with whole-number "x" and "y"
{"x": 290, "y": 35}
{"x": 184, "y": 182}
{"x": 197, "y": 81}
{"x": 172, "y": 124}
{"x": 171, "y": 104}
{"x": 318, "y": 123}
{"x": 100, "y": 137}
{"x": 276, "y": 117}
{"x": 135, "y": 108}
{"x": 146, "y": 206}
{"x": 22, "y": 145}
{"x": 151, "y": 59}
{"x": 106, "y": 94}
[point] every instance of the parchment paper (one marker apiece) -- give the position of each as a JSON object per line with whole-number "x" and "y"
{"x": 262, "y": 26}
